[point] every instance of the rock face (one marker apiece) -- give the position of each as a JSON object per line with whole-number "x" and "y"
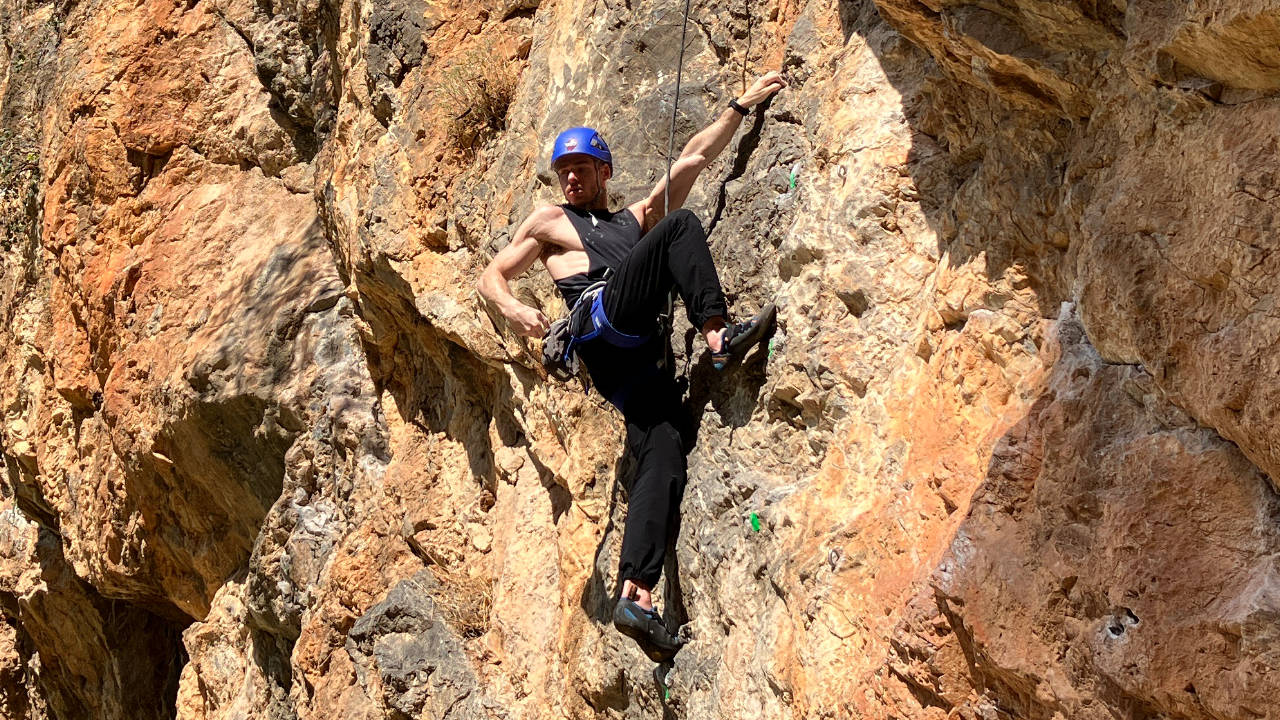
{"x": 1011, "y": 453}
{"x": 1059, "y": 539}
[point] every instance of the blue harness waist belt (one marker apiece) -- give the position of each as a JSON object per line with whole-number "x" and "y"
{"x": 600, "y": 326}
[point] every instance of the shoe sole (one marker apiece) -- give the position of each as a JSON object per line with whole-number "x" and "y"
{"x": 654, "y": 654}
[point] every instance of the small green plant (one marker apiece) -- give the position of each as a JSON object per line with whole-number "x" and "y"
{"x": 476, "y": 94}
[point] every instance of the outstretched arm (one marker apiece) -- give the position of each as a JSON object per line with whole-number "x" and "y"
{"x": 700, "y": 151}
{"x": 511, "y": 262}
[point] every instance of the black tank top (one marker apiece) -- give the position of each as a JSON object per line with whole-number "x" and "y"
{"x": 607, "y": 237}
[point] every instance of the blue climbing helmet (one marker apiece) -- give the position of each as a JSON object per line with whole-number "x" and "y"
{"x": 581, "y": 140}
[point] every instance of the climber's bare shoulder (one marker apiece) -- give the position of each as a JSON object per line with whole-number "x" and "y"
{"x": 561, "y": 248}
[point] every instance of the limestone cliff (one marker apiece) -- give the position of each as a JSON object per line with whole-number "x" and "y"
{"x": 1012, "y": 451}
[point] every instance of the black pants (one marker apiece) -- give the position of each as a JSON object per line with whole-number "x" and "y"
{"x": 672, "y": 255}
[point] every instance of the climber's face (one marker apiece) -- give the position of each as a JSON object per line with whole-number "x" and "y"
{"x": 582, "y": 180}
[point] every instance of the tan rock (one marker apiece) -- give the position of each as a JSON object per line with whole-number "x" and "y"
{"x": 1103, "y": 559}
{"x": 248, "y": 389}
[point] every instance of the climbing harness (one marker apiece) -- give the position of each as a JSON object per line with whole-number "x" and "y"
{"x": 600, "y": 325}
{"x": 560, "y": 344}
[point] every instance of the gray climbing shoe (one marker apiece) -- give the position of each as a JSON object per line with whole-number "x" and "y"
{"x": 738, "y": 338}
{"x": 647, "y": 629}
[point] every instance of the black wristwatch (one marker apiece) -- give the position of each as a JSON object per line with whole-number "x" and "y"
{"x": 734, "y": 104}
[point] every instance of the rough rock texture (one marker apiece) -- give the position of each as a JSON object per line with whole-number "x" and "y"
{"x": 1099, "y": 471}
{"x": 1012, "y": 450}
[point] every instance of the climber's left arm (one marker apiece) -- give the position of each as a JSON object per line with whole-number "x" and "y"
{"x": 700, "y": 151}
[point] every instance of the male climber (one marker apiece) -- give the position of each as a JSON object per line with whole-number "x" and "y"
{"x": 615, "y": 271}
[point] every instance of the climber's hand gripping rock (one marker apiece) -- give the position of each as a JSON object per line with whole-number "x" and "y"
{"x": 527, "y": 321}
{"x": 764, "y": 86}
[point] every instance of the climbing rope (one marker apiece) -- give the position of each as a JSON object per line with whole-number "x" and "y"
{"x": 669, "y": 316}
{"x": 675, "y": 108}
{"x": 746, "y": 56}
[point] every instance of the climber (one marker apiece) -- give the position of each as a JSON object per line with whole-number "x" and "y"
{"x": 615, "y": 270}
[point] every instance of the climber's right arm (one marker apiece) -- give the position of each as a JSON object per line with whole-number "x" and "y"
{"x": 699, "y": 153}
{"x": 511, "y": 262}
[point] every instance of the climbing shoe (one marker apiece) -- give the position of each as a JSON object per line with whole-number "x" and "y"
{"x": 662, "y": 678}
{"x": 647, "y": 629}
{"x": 737, "y": 338}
